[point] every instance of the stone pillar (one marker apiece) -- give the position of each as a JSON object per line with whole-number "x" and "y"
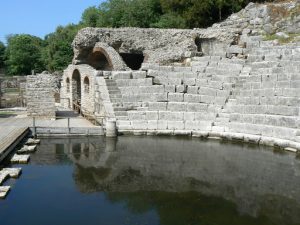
{"x": 111, "y": 128}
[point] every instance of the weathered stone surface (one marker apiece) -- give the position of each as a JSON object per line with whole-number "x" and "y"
{"x": 40, "y": 95}
{"x": 158, "y": 45}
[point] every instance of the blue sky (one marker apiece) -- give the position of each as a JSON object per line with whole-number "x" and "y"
{"x": 39, "y": 17}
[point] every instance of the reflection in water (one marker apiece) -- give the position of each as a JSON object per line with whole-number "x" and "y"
{"x": 185, "y": 181}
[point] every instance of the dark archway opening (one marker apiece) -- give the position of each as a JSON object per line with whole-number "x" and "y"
{"x": 198, "y": 44}
{"x": 68, "y": 85}
{"x": 133, "y": 60}
{"x": 99, "y": 61}
{"x": 76, "y": 87}
{"x": 86, "y": 83}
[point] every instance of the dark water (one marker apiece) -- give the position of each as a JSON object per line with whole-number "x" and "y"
{"x": 154, "y": 180}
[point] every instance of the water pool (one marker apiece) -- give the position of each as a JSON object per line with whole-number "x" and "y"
{"x": 152, "y": 181}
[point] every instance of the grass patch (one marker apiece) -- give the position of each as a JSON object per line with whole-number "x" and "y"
{"x": 5, "y": 114}
{"x": 290, "y": 39}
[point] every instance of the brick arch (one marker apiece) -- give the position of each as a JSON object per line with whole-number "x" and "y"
{"x": 105, "y": 57}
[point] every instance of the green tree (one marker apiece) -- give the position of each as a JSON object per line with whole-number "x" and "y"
{"x": 2, "y": 54}
{"x": 90, "y": 17}
{"x": 58, "y": 52}
{"x": 170, "y": 20}
{"x": 24, "y": 54}
{"x": 129, "y": 13}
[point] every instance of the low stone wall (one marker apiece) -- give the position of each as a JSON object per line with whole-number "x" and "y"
{"x": 40, "y": 91}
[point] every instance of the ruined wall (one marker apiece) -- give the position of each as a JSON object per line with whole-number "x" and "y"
{"x": 83, "y": 78}
{"x": 40, "y": 95}
{"x": 156, "y": 45}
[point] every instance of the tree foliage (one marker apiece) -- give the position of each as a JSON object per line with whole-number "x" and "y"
{"x": 24, "y": 54}
{"x": 2, "y": 54}
{"x": 58, "y": 52}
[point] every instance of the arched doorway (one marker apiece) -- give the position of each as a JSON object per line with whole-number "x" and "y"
{"x": 133, "y": 60}
{"x": 99, "y": 61}
{"x": 68, "y": 84}
{"x": 86, "y": 83}
{"x": 76, "y": 88}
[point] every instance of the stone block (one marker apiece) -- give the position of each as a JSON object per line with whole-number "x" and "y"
{"x": 121, "y": 74}
{"x": 207, "y": 91}
{"x": 150, "y": 89}
{"x": 175, "y": 75}
{"x": 162, "y": 125}
{"x": 160, "y": 106}
{"x": 189, "y": 116}
{"x": 134, "y": 82}
{"x": 175, "y": 97}
{"x": 139, "y": 125}
{"x": 207, "y": 99}
{"x": 192, "y": 89}
{"x": 170, "y": 88}
{"x": 152, "y": 125}
{"x": 177, "y": 106}
{"x": 189, "y": 81}
{"x": 151, "y": 115}
{"x": 198, "y": 69}
{"x": 200, "y": 82}
{"x": 182, "y": 133}
{"x": 160, "y": 80}
{"x": 181, "y": 88}
{"x": 208, "y": 116}
{"x": 166, "y": 68}
{"x": 195, "y": 98}
{"x": 182, "y": 69}
{"x": 171, "y": 116}
{"x": 196, "y": 107}
{"x": 191, "y": 125}
{"x": 174, "y": 81}
{"x": 199, "y": 63}
{"x": 187, "y": 75}
{"x": 234, "y": 49}
{"x": 136, "y": 115}
{"x": 139, "y": 74}
{"x": 175, "y": 125}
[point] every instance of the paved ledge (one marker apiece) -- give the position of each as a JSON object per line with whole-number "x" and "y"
{"x": 65, "y": 131}
{"x": 287, "y": 145}
{"x": 10, "y": 136}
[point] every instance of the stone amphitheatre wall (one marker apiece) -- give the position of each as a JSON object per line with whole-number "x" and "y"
{"x": 255, "y": 99}
{"x": 224, "y": 81}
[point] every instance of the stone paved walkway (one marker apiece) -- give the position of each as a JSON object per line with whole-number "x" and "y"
{"x": 8, "y": 135}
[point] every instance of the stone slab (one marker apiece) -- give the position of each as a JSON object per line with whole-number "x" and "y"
{"x": 4, "y": 191}
{"x": 23, "y": 159}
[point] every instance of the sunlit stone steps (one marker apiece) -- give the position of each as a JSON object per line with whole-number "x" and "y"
{"x": 4, "y": 175}
{"x": 20, "y": 159}
{"x": 4, "y": 191}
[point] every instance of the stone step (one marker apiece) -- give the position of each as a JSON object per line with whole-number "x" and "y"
{"x": 20, "y": 159}
{"x": 115, "y": 96}
{"x": 4, "y": 191}
{"x": 116, "y": 100}
{"x": 119, "y": 108}
{"x": 114, "y": 92}
{"x": 122, "y": 118}
{"x": 120, "y": 113}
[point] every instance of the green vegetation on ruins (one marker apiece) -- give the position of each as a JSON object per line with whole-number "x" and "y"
{"x": 25, "y": 53}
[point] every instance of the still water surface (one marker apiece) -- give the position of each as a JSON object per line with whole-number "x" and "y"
{"x": 154, "y": 181}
